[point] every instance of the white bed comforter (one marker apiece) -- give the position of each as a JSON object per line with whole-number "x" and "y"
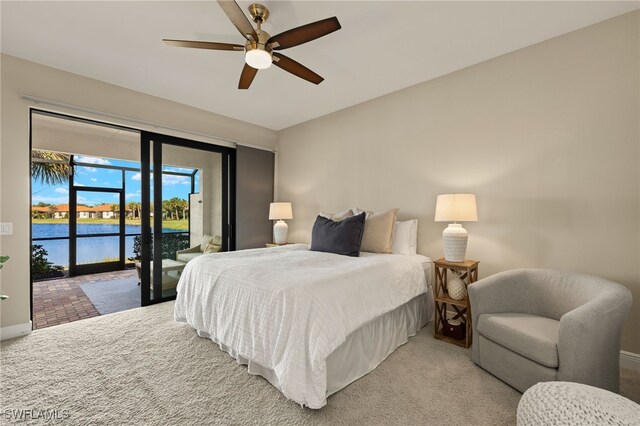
{"x": 288, "y": 308}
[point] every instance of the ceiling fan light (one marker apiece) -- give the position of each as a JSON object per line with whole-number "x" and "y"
{"x": 258, "y": 59}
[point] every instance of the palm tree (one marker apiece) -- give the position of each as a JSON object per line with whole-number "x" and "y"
{"x": 50, "y": 173}
{"x": 52, "y": 211}
{"x": 115, "y": 208}
{"x": 185, "y": 208}
{"x": 130, "y": 209}
{"x": 135, "y": 207}
{"x": 175, "y": 206}
{"x": 166, "y": 209}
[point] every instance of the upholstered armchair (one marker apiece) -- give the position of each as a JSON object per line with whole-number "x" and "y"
{"x": 537, "y": 325}
{"x": 208, "y": 244}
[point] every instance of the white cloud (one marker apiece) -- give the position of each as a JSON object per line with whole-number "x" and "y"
{"x": 94, "y": 180}
{"x": 178, "y": 169}
{"x": 167, "y": 179}
{"x": 92, "y": 160}
{"x": 62, "y": 190}
{"x": 175, "y": 180}
{"x": 131, "y": 195}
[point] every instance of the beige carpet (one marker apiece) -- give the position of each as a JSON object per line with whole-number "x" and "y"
{"x": 141, "y": 367}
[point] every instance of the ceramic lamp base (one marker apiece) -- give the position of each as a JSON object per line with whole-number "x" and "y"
{"x": 454, "y": 239}
{"x": 280, "y": 230}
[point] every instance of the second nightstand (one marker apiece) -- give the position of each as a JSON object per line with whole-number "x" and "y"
{"x": 461, "y": 309}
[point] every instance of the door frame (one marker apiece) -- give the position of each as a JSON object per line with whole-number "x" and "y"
{"x": 150, "y": 141}
{"x": 94, "y": 268}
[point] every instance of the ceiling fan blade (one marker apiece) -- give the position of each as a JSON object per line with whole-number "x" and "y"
{"x": 203, "y": 44}
{"x": 305, "y": 33}
{"x": 248, "y": 73}
{"x": 296, "y": 68}
{"x": 238, "y": 18}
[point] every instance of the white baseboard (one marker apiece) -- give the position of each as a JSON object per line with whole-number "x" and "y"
{"x": 629, "y": 360}
{"x": 17, "y": 330}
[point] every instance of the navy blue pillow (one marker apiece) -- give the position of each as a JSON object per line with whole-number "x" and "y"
{"x": 344, "y": 237}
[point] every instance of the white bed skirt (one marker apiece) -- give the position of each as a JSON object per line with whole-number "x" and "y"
{"x": 364, "y": 349}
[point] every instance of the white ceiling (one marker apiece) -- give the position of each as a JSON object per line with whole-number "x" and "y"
{"x": 383, "y": 46}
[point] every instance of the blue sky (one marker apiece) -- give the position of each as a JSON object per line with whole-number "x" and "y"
{"x": 172, "y": 186}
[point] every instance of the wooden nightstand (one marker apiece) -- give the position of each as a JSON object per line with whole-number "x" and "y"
{"x": 469, "y": 274}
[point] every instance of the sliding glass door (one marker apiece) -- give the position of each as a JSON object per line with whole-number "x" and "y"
{"x": 186, "y": 209}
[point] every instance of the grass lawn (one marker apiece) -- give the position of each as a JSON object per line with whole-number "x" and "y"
{"x": 182, "y": 224}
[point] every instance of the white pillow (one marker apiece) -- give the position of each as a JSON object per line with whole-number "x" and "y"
{"x": 356, "y": 211}
{"x": 405, "y": 237}
{"x": 206, "y": 239}
{"x": 337, "y": 217}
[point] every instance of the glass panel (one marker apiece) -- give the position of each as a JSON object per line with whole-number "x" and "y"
{"x": 122, "y": 163}
{"x": 192, "y": 203}
{"x": 133, "y": 196}
{"x": 185, "y": 170}
{"x": 56, "y": 252}
{"x": 49, "y": 214}
{"x": 50, "y": 229}
{"x": 97, "y": 176}
{"x": 97, "y": 250}
{"x": 97, "y": 213}
{"x": 132, "y": 247}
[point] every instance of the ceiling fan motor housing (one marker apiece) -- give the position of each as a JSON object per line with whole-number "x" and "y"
{"x": 259, "y": 60}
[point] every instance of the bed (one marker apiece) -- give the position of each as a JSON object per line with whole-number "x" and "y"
{"x": 309, "y": 322}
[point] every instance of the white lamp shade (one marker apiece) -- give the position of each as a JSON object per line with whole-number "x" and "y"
{"x": 279, "y": 211}
{"x": 456, "y": 208}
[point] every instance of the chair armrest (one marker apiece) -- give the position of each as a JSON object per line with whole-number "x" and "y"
{"x": 194, "y": 249}
{"x": 589, "y": 339}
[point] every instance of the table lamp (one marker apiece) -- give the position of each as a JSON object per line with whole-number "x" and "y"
{"x": 455, "y": 208}
{"x": 279, "y": 212}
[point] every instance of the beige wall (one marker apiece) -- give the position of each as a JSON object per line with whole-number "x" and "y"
{"x": 20, "y": 78}
{"x": 547, "y": 137}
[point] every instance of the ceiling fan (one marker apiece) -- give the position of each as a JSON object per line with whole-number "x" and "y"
{"x": 260, "y": 48}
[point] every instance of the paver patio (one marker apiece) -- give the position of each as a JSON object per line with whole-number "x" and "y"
{"x": 62, "y": 300}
